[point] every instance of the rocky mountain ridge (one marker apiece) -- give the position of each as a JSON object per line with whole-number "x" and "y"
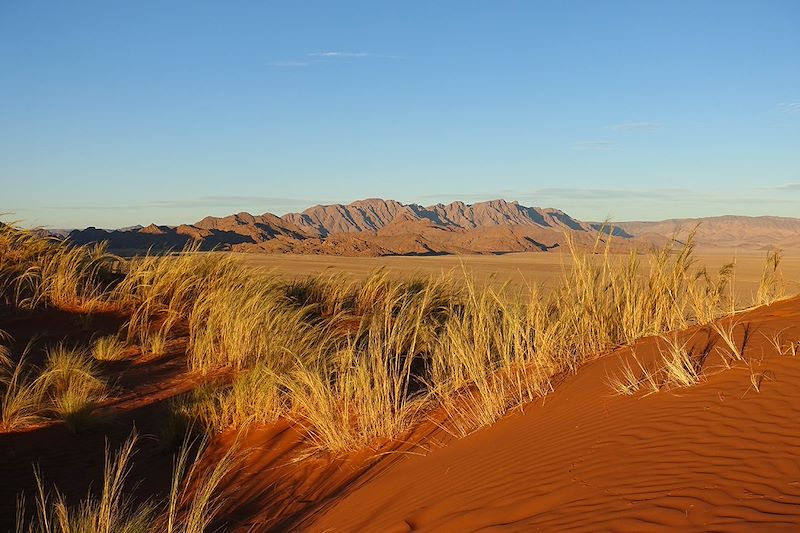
{"x": 387, "y": 227}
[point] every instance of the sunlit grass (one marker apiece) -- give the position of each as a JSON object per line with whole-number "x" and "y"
{"x": 109, "y": 348}
{"x": 72, "y": 382}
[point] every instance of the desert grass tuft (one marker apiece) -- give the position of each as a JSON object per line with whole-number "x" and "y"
{"x": 787, "y": 348}
{"x": 253, "y": 397}
{"x": 72, "y": 382}
{"x": 681, "y": 369}
{"x": 109, "y": 348}
{"x": 771, "y": 285}
{"x": 21, "y": 396}
{"x": 155, "y": 343}
{"x": 735, "y": 353}
{"x": 631, "y": 380}
{"x": 35, "y": 271}
{"x": 195, "y": 500}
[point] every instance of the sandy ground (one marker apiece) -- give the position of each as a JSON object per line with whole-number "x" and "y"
{"x": 518, "y": 268}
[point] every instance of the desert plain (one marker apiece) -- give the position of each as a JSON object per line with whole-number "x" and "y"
{"x": 520, "y": 269}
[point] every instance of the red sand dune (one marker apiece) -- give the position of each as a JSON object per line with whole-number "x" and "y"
{"x": 716, "y": 456}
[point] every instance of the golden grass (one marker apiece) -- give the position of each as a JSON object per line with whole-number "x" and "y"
{"x": 155, "y": 343}
{"x": 252, "y": 398}
{"x": 733, "y": 352}
{"x": 631, "y": 380}
{"x": 36, "y": 271}
{"x": 771, "y": 287}
{"x": 22, "y": 397}
{"x": 109, "y": 348}
{"x": 681, "y": 369}
{"x": 72, "y": 382}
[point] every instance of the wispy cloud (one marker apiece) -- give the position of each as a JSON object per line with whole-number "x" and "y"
{"x": 596, "y": 146}
{"x": 789, "y": 107}
{"x": 333, "y": 54}
{"x": 643, "y": 127}
{"x": 340, "y": 54}
{"x": 289, "y": 64}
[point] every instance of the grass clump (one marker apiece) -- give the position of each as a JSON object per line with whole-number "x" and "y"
{"x": 787, "y": 348}
{"x": 109, "y": 348}
{"x": 165, "y": 288}
{"x": 681, "y": 369}
{"x": 735, "y": 352}
{"x": 252, "y": 398}
{"x": 632, "y": 380}
{"x": 72, "y": 382}
{"x": 21, "y": 396}
{"x": 41, "y": 271}
{"x": 110, "y": 512}
{"x": 771, "y": 286}
{"x": 155, "y": 343}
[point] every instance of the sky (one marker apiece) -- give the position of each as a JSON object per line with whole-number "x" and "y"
{"x": 121, "y": 113}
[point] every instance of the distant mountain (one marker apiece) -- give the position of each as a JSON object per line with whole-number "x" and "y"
{"x": 724, "y": 232}
{"x": 373, "y": 214}
{"x": 387, "y": 227}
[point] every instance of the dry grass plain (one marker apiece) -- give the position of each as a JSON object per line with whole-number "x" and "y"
{"x": 515, "y": 268}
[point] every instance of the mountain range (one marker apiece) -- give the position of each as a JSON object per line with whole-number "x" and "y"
{"x": 375, "y": 227}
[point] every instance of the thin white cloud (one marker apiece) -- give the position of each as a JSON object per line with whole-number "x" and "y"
{"x": 333, "y": 54}
{"x": 637, "y": 126}
{"x": 596, "y": 146}
{"x": 339, "y": 54}
{"x": 789, "y": 107}
{"x": 289, "y": 64}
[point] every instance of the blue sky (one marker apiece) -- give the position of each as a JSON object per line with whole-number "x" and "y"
{"x": 117, "y": 113}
